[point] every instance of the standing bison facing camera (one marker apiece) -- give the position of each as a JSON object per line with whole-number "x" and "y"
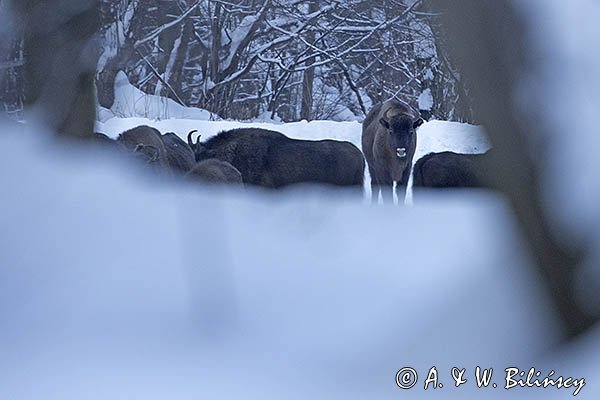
{"x": 389, "y": 141}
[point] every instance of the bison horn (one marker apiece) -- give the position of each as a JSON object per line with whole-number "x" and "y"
{"x": 189, "y": 138}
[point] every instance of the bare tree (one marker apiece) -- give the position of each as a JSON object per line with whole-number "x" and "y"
{"x": 309, "y": 74}
{"x": 239, "y": 59}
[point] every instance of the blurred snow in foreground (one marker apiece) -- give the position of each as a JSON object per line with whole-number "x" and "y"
{"x": 116, "y": 286}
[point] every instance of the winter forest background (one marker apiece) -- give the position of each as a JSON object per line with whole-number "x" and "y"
{"x": 274, "y": 59}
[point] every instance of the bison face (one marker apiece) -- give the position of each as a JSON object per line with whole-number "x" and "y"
{"x": 402, "y": 134}
{"x": 202, "y": 153}
{"x": 150, "y": 154}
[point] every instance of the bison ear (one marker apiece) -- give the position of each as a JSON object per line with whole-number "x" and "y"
{"x": 418, "y": 122}
{"x": 384, "y": 122}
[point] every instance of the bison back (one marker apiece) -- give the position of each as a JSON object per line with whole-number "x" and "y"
{"x": 449, "y": 170}
{"x": 180, "y": 156}
{"x": 215, "y": 171}
{"x": 302, "y": 161}
{"x": 246, "y": 149}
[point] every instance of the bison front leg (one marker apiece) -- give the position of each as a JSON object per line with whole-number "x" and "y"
{"x": 402, "y": 185}
{"x": 400, "y": 192}
{"x": 387, "y": 192}
{"x": 374, "y": 191}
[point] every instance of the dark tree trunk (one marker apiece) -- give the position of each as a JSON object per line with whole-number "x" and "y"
{"x": 61, "y": 62}
{"x": 309, "y": 75}
{"x": 307, "y": 92}
{"x": 105, "y": 79}
{"x": 12, "y": 94}
{"x": 487, "y": 37}
{"x": 177, "y": 60}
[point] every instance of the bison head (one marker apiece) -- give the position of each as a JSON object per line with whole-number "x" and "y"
{"x": 401, "y": 129}
{"x": 200, "y": 151}
{"x": 148, "y": 153}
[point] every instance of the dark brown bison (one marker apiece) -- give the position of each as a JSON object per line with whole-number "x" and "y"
{"x": 180, "y": 156}
{"x": 146, "y": 143}
{"x": 389, "y": 141}
{"x": 451, "y": 170}
{"x": 101, "y": 138}
{"x": 213, "y": 170}
{"x": 271, "y": 159}
{"x": 105, "y": 142}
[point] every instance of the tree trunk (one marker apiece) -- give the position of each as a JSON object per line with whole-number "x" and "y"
{"x": 175, "y": 66}
{"x": 105, "y": 80}
{"x": 60, "y": 62}
{"x": 309, "y": 74}
{"x": 487, "y": 37}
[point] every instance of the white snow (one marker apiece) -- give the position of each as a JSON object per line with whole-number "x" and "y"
{"x": 115, "y": 285}
{"x": 425, "y": 100}
{"x": 237, "y": 37}
{"x": 132, "y": 102}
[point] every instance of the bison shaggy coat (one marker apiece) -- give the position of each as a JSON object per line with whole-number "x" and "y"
{"x": 271, "y": 159}
{"x": 213, "y": 170}
{"x": 451, "y": 170}
{"x": 389, "y": 141}
{"x": 146, "y": 143}
{"x": 180, "y": 156}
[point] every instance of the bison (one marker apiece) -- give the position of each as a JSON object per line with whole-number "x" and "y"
{"x": 180, "y": 156}
{"x": 389, "y": 141}
{"x": 213, "y": 170}
{"x": 270, "y": 159}
{"x": 147, "y": 144}
{"x": 101, "y": 138}
{"x": 451, "y": 170}
{"x": 103, "y": 141}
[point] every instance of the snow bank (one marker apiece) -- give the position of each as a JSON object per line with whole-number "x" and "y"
{"x": 115, "y": 285}
{"x": 132, "y": 102}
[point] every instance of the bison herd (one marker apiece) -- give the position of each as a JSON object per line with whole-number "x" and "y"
{"x": 266, "y": 158}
